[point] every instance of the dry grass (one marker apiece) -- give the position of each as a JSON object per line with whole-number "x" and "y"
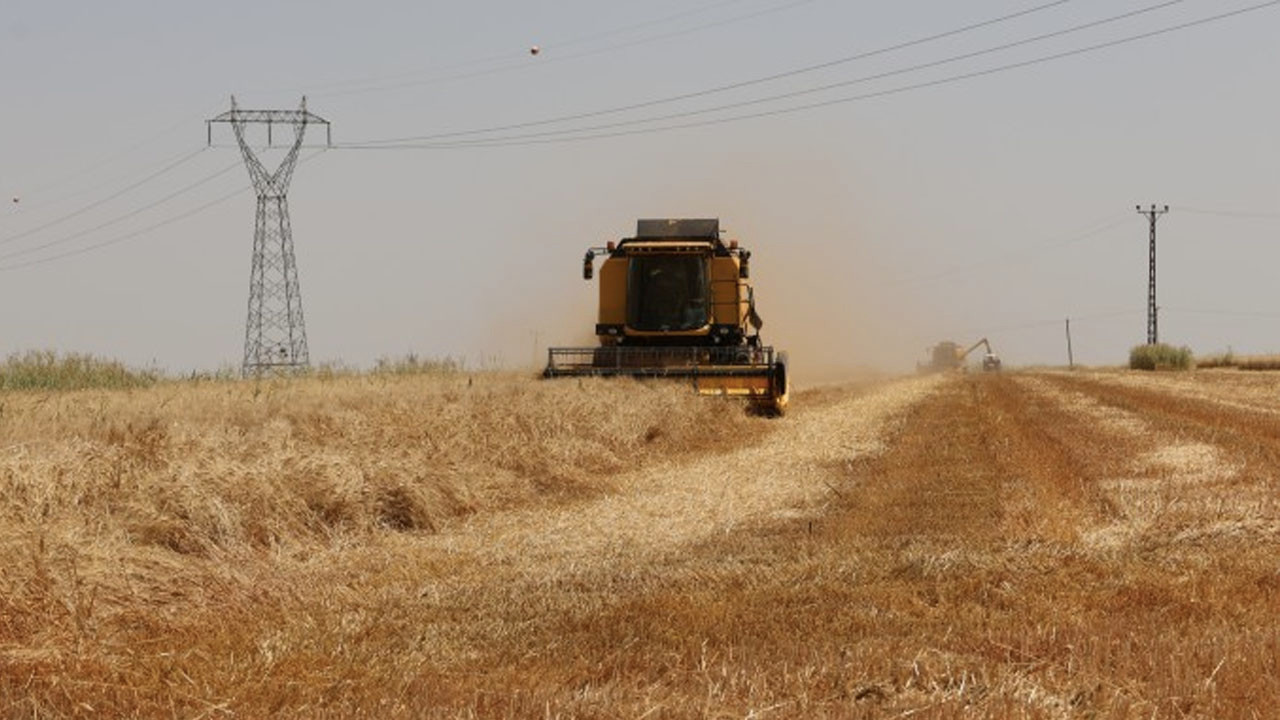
{"x": 137, "y": 523}
{"x": 1242, "y": 362}
{"x": 1029, "y": 546}
{"x": 1259, "y": 362}
{"x": 1227, "y": 359}
{"x": 47, "y": 370}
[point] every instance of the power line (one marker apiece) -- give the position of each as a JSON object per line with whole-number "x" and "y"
{"x": 1229, "y": 213}
{"x": 142, "y": 231}
{"x": 318, "y": 90}
{"x": 525, "y": 65}
{"x": 29, "y": 192}
{"x": 891, "y": 91}
{"x": 1225, "y": 313}
{"x": 170, "y": 129}
{"x": 737, "y": 85}
{"x": 29, "y": 206}
{"x": 507, "y": 142}
{"x": 127, "y": 236}
{"x": 104, "y": 161}
{"x": 1095, "y": 229}
{"x": 832, "y": 86}
{"x": 120, "y": 218}
{"x": 181, "y": 160}
{"x": 1056, "y": 322}
{"x": 649, "y": 23}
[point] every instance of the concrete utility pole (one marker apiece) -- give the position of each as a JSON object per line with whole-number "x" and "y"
{"x": 275, "y": 337}
{"x": 1071, "y": 359}
{"x": 1153, "y": 335}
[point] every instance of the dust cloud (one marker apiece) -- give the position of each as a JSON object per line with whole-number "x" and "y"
{"x": 821, "y": 265}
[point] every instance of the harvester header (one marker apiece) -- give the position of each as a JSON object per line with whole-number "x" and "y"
{"x": 675, "y": 302}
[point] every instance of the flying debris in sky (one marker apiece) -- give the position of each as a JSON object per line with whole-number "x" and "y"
{"x": 534, "y": 50}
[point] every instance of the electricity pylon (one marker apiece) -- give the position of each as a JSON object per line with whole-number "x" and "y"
{"x": 275, "y": 336}
{"x": 1153, "y": 334}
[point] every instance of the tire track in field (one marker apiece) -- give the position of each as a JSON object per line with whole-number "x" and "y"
{"x": 991, "y": 457}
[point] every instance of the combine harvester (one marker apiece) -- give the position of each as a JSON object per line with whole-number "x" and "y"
{"x": 948, "y": 355}
{"x": 675, "y": 303}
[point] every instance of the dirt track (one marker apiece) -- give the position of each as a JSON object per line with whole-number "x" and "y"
{"x": 1021, "y": 545}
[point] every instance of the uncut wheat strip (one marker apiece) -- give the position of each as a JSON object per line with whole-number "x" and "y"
{"x": 660, "y": 509}
{"x": 1176, "y": 480}
{"x": 1255, "y": 394}
{"x": 1173, "y": 460}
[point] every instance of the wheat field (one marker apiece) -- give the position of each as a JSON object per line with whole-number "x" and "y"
{"x": 453, "y": 544}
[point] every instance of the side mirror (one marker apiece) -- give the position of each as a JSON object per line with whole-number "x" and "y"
{"x": 587, "y": 269}
{"x": 744, "y": 267}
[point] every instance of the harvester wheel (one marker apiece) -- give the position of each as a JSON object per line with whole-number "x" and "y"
{"x": 783, "y": 377}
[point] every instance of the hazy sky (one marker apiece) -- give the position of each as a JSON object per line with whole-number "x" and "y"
{"x": 881, "y": 221}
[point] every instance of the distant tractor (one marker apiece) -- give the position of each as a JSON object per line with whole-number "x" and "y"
{"x": 948, "y": 355}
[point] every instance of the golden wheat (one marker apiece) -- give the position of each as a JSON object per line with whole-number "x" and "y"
{"x": 1045, "y": 545}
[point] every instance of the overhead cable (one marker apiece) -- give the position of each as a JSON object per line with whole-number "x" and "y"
{"x": 36, "y": 191}
{"x": 1094, "y": 230}
{"x": 515, "y": 141}
{"x": 142, "y": 231}
{"x": 181, "y": 160}
{"x": 1249, "y": 214}
{"x": 524, "y": 64}
{"x": 120, "y": 218}
{"x": 733, "y": 86}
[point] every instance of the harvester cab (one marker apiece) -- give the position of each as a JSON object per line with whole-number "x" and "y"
{"x": 675, "y": 302}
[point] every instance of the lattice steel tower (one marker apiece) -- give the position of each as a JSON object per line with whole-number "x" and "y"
{"x": 1153, "y": 310}
{"x": 275, "y": 336}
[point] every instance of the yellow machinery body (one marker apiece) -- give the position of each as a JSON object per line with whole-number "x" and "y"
{"x": 948, "y": 355}
{"x": 675, "y": 301}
